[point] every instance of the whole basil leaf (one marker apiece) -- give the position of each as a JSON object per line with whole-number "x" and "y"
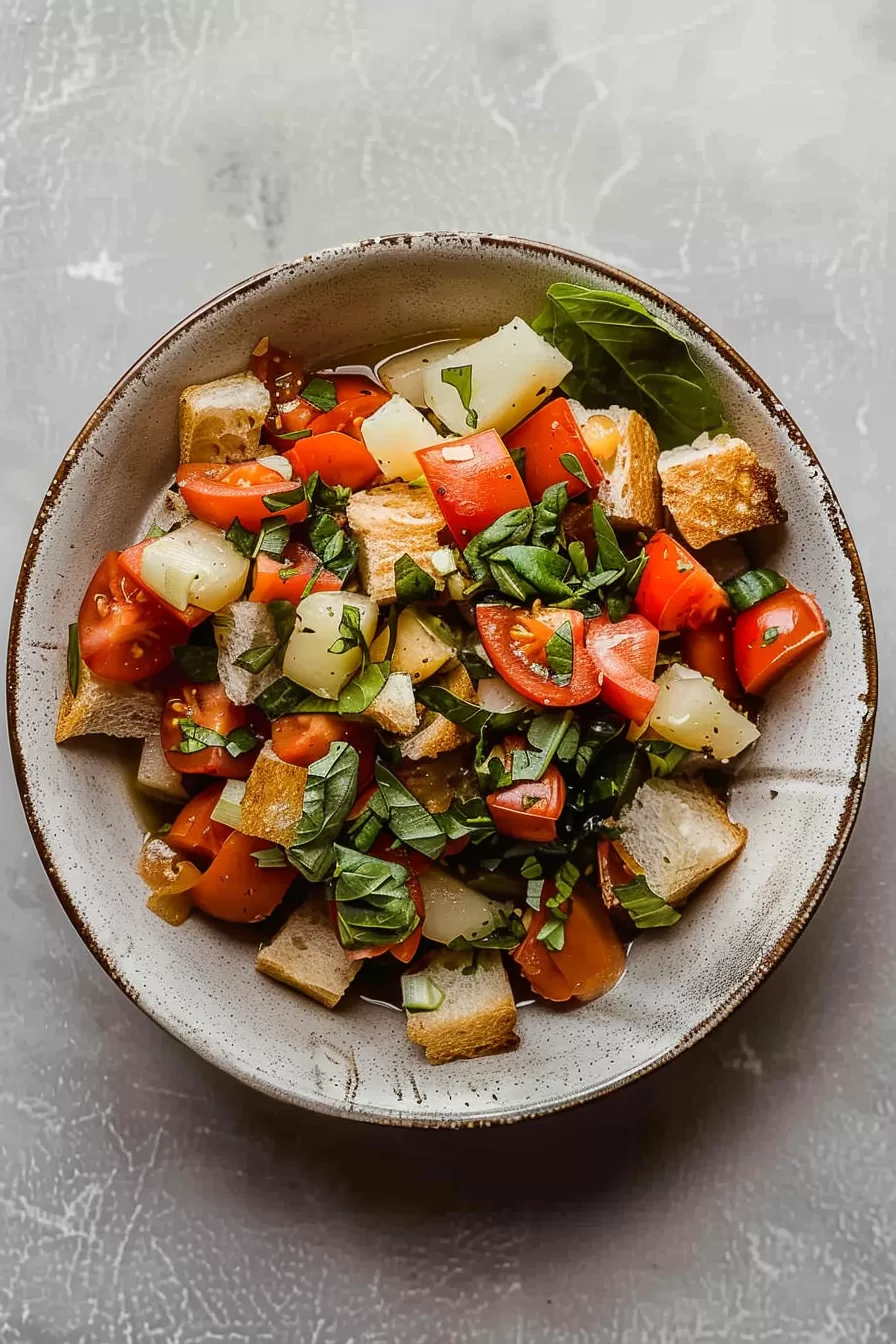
{"x": 508, "y": 530}
{"x": 542, "y": 569}
{"x": 331, "y": 786}
{"x": 621, "y": 352}
{"x": 546, "y": 519}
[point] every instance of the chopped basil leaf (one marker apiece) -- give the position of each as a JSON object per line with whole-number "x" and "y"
{"x": 241, "y": 740}
{"x": 198, "y": 662}
{"x": 618, "y": 605}
{"x": 752, "y": 587}
{"x": 559, "y": 654}
{"x": 477, "y": 666}
{"x": 330, "y": 788}
{"x": 412, "y": 584}
{"x": 374, "y": 904}
{"x": 769, "y": 636}
{"x": 461, "y": 379}
{"x": 467, "y": 817}
{"x": 510, "y": 582}
{"x": 273, "y": 538}
{"x": 258, "y": 658}
{"x": 553, "y": 934}
{"x": 540, "y": 569}
{"x": 195, "y": 737}
{"x": 281, "y": 697}
{"x": 284, "y": 499}
{"x": 633, "y": 571}
{"x": 154, "y": 532}
{"x": 566, "y": 877}
{"x": 569, "y": 744}
{"x": 506, "y": 934}
{"x": 73, "y": 659}
{"x": 546, "y": 519}
{"x": 472, "y": 717}
{"x": 363, "y": 689}
{"x": 408, "y": 819}
{"x": 610, "y": 553}
{"x": 569, "y": 462}
{"x": 534, "y": 890}
{"x": 350, "y": 634}
{"x": 365, "y": 829}
{"x": 241, "y": 538}
{"x": 531, "y": 868}
{"x": 664, "y": 757}
{"x": 270, "y": 858}
{"x": 321, "y": 393}
{"x": 512, "y": 528}
{"x": 489, "y": 766}
{"x": 294, "y": 434}
{"x": 647, "y": 910}
{"x": 544, "y": 735}
{"x": 518, "y": 457}
{"x": 325, "y": 496}
{"x": 312, "y": 580}
{"x": 331, "y": 545}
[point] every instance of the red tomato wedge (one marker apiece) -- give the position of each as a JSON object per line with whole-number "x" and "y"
{"x": 472, "y": 492}
{"x": 415, "y": 863}
{"x": 206, "y": 703}
{"x": 131, "y": 562}
{"x": 548, "y": 433}
{"x": 675, "y": 590}
{"x": 234, "y": 888}
{"x": 624, "y": 654}
{"x": 339, "y": 458}
{"x": 214, "y": 494}
{"x": 591, "y": 960}
{"x": 302, "y": 739}
{"x": 528, "y": 810}
{"x": 269, "y": 586}
{"x": 357, "y": 397}
{"x": 515, "y": 642}
{"x": 193, "y": 832}
{"x": 772, "y": 636}
{"x": 123, "y": 632}
{"x": 710, "y": 651}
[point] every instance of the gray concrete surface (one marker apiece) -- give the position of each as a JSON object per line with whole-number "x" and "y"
{"x": 739, "y": 155}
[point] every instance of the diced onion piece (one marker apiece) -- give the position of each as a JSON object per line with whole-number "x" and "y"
{"x": 494, "y": 694}
{"x": 228, "y": 808}
{"x": 279, "y": 464}
{"x": 443, "y": 561}
{"x": 454, "y": 910}
{"x": 402, "y": 375}
{"x": 691, "y": 712}
{"x": 308, "y": 660}
{"x": 420, "y": 994}
{"x": 512, "y": 372}
{"x": 195, "y": 564}
{"x": 392, "y": 436}
{"x": 422, "y": 645}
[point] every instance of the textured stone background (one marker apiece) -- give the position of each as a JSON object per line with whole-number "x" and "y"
{"x": 740, "y": 156}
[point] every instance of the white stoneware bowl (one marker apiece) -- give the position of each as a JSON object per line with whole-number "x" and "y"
{"x": 798, "y": 793}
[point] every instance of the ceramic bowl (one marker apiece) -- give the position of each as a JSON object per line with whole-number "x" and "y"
{"x": 798, "y": 793}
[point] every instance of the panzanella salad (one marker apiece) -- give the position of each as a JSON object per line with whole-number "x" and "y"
{"x": 439, "y": 667}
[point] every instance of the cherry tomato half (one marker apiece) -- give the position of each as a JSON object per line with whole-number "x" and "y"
{"x": 131, "y": 562}
{"x": 235, "y": 888}
{"x": 546, "y": 435}
{"x": 624, "y": 653}
{"x": 472, "y": 492}
{"x": 675, "y": 590}
{"x": 302, "y": 739}
{"x": 218, "y": 494}
{"x": 591, "y": 960}
{"x": 207, "y": 704}
{"x": 123, "y": 632}
{"x": 193, "y": 832}
{"x": 515, "y": 642}
{"x": 772, "y": 636}
{"x": 710, "y": 651}
{"x": 270, "y": 586}
{"x": 528, "y": 810}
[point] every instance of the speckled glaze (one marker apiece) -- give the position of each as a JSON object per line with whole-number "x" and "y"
{"x": 798, "y": 793}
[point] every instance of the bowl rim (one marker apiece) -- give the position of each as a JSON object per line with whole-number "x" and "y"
{"x": 773, "y": 406}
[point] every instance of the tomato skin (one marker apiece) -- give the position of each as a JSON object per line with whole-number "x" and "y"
{"x": 267, "y": 585}
{"x": 339, "y": 458}
{"x": 591, "y": 960}
{"x": 235, "y": 889}
{"x": 710, "y": 651}
{"x": 193, "y": 832}
{"x": 358, "y": 397}
{"x": 548, "y": 433}
{"x": 527, "y": 675}
{"x": 123, "y": 632}
{"x": 415, "y": 863}
{"x": 676, "y": 591}
{"x": 801, "y": 627}
{"x": 131, "y": 562}
{"x": 206, "y": 703}
{"x": 474, "y": 493}
{"x": 214, "y": 499}
{"x": 624, "y": 653}
{"x": 511, "y": 811}
{"x": 302, "y": 739}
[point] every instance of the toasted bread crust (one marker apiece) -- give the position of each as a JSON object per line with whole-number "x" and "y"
{"x": 307, "y": 955}
{"x": 440, "y": 734}
{"x": 651, "y": 828}
{"x": 718, "y": 490}
{"x": 109, "y": 707}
